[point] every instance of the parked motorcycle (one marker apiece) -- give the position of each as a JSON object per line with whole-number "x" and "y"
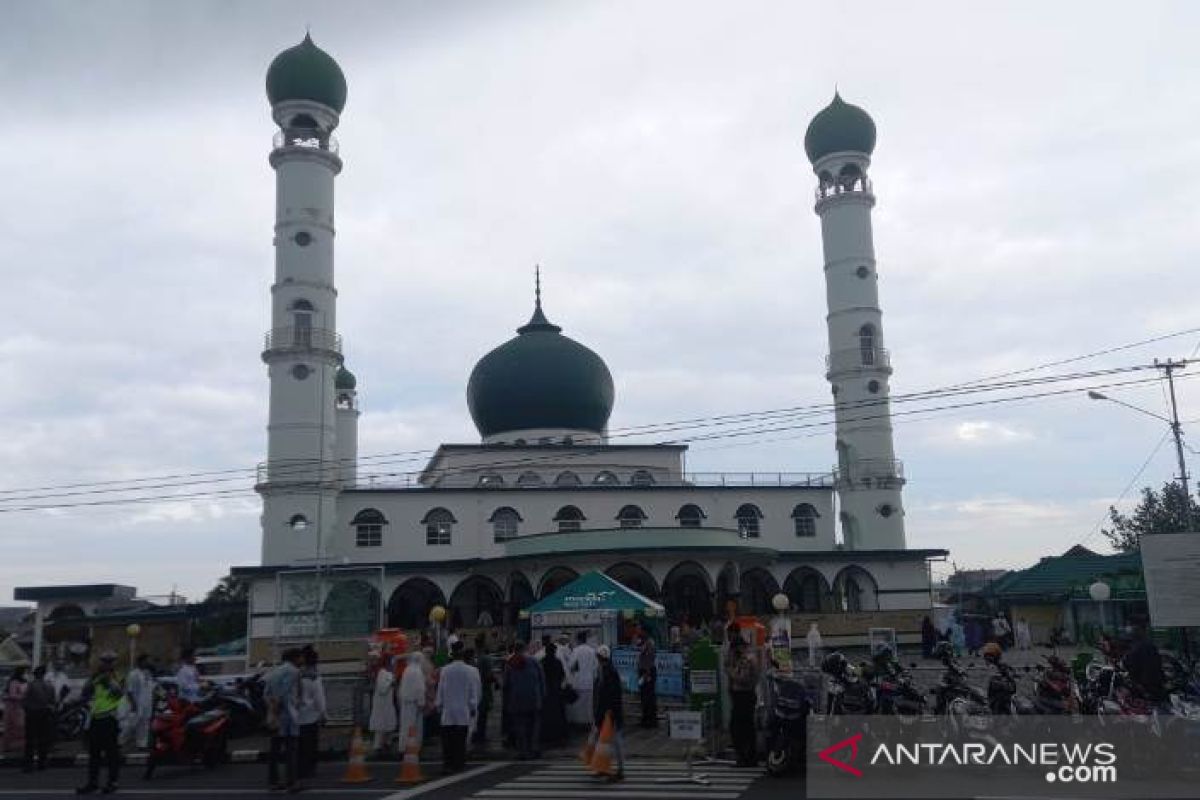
{"x": 71, "y": 719}
{"x": 188, "y": 733}
{"x": 962, "y": 707}
{"x": 1055, "y": 692}
{"x": 786, "y": 733}
{"x": 848, "y": 692}
{"x": 895, "y": 692}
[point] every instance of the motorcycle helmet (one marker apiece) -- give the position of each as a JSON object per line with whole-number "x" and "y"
{"x": 833, "y": 664}
{"x": 991, "y": 652}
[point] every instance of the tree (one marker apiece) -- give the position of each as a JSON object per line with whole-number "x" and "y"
{"x": 1158, "y": 512}
{"x": 230, "y": 589}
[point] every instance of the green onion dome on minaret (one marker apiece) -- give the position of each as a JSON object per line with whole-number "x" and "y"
{"x": 540, "y": 380}
{"x": 306, "y": 72}
{"x": 839, "y": 127}
{"x": 345, "y": 380}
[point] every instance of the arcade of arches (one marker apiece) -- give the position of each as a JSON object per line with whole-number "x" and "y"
{"x": 687, "y": 591}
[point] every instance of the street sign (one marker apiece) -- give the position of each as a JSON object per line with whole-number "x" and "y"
{"x": 688, "y": 725}
{"x": 1171, "y": 562}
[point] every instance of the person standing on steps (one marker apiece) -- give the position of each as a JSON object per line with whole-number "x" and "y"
{"x": 457, "y": 699}
{"x": 743, "y": 687}
{"x": 487, "y": 678}
{"x": 647, "y": 670}
{"x": 103, "y": 693}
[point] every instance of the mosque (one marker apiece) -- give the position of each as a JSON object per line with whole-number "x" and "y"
{"x": 546, "y": 494}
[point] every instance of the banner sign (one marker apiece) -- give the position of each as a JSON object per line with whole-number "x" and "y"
{"x": 669, "y": 665}
{"x": 1171, "y": 562}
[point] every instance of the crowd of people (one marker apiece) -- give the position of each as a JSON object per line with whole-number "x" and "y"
{"x": 542, "y": 691}
{"x": 972, "y": 634}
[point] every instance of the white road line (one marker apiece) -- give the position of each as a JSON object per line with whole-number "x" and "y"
{"x": 449, "y": 780}
{"x": 600, "y": 793}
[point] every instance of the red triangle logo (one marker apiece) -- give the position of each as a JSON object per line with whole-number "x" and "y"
{"x": 826, "y": 755}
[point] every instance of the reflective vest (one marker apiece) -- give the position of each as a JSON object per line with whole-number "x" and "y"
{"x": 106, "y": 696}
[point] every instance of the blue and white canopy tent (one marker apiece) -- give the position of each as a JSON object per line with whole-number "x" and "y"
{"x": 593, "y": 602}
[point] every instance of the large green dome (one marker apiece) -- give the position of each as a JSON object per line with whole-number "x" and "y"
{"x": 839, "y": 127}
{"x": 540, "y": 379}
{"x": 306, "y": 72}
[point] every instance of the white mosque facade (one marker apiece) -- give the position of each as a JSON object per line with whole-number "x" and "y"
{"x": 546, "y": 494}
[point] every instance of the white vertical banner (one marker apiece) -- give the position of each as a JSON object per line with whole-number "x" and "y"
{"x": 1171, "y": 565}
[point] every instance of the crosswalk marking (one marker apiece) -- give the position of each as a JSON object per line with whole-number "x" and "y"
{"x": 644, "y": 780}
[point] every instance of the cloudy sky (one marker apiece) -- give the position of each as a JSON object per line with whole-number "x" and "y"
{"x": 1037, "y": 174}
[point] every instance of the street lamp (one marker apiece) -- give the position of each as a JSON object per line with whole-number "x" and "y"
{"x": 1101, "y": 592}
{"x": 1176, "y": 431}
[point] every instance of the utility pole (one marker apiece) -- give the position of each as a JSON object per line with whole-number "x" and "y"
{"x": 1169, "y": 367}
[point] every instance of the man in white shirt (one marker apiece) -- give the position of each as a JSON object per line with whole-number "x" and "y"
{"x": 139, "y": 689}
{"x": 187, "y": 678}
{"x": 457, "y": 698}
{"x": 581, "y": 672}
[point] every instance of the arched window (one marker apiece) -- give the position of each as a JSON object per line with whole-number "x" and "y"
{"x": 529, "y": 479}
{"x": 439, "y": 526}
{"x": 866, "y": 345}
{"x": 631, "y": 517}
{"x": 569, "y": 518}
{"x": 302, "y": 323}
{"x": 642, "y": 478}
{"x": 606, "y": 478}
{"x": 567, "y": 478}
{"x": 368, "y": 528}
{"x": 490, "y": 480}
{"x": 748, "y": 518}
{"x": 505, "y": 523}
{"x": 805, "y": 517}
{"x": 690, "y": 516}
{"x": 298, "y": 522}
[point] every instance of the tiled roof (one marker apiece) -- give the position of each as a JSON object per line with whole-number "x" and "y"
{"x": 1056, "y": 576}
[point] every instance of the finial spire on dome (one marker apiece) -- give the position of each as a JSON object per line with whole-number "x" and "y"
{"x": 538, "y": 321}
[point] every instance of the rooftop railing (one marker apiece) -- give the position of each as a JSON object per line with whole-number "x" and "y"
{"x": 853, "y": 358}
{"x": 295, "y": 337}
{"x": 306, "y": 138}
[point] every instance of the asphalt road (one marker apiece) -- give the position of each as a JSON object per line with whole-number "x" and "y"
{"x": 556, "y": 780}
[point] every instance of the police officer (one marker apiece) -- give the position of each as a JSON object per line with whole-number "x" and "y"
{"x": 103, "y": 692}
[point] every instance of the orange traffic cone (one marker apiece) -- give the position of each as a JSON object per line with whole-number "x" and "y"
{"x": 410, "y": 770}
{"x": 356, "y": 770}
{"x": 602, "y": 758}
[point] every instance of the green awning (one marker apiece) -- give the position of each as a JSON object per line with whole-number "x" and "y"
{"x": 595, "y": 591}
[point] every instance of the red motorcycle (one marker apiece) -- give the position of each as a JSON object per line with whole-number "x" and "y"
{"x": 188, "y": 733}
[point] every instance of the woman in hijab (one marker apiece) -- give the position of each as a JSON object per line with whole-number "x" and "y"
{"x": 554, "y": 711}
{"x": 412, "y": 700}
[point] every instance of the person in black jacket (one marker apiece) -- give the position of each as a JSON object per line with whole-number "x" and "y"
{"x": 554, "y": 710}
{"x": 609, "y": 700}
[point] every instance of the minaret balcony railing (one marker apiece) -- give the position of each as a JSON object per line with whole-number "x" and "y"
{"x": 306, "y": 138}
{"x": 298, "y": 338}
{"x": 869, "y": 473}
{"x": 304, "y": 472}
{"x": 858, "y": 358}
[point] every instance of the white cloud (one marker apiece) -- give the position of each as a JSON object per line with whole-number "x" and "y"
{"x": 652, "y": 162}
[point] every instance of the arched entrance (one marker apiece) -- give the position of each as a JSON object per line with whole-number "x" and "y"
{"x": 476, "y": 602}
{"x": 635, "y": 577}
{"x": 728, "y": 588}
{"x": 808, "y": 590}
{"x": 758, "y": 587}
{"x": 520, "y": 595}
{"x": 410, "y": 604}
{"x": 687, "y": 594}
{"x": 855, "y": 590}
{"x": 351, "y": 609}
{"x": 554, "y": 579}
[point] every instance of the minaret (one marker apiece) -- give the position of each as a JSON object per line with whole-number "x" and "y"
{"x": 346, "y": 451}
{"x": 869, "y": 479}
{"x": 303, "y": 351}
